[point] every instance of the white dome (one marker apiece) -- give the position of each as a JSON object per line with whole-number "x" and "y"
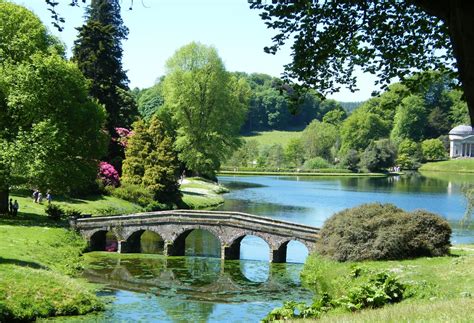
{"x": 462, "y": 130}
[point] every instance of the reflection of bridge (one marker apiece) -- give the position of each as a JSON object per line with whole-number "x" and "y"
{"x": 174, "y": 226}
{"x": 212, "y": 281}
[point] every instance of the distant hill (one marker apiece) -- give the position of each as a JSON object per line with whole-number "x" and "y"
{"x": 350, "y": 106}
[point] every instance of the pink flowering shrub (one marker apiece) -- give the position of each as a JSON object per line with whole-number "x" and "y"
{"x": 108, "y": 174}
{"x": 123, "y": 134}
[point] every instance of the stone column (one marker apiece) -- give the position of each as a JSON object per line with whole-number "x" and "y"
{"x": 231, "y": 252}
{"x": 278, "y": 255}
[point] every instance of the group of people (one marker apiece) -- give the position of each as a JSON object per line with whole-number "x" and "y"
{"x": 38, "y": 197}
{"x": 13, "y": 207}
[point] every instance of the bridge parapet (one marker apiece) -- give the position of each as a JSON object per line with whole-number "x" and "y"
{"x": 229, "y": 227}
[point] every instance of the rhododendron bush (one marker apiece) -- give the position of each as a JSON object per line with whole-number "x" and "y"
{"x": 123, "y": 134}
{"x": 108, "y": 174}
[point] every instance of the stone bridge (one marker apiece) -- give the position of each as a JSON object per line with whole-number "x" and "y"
{"x": 174, "y": 226}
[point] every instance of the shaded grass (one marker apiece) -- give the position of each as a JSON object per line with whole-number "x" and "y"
{"x": 454, "y": 165}
{"x": 435, "y": 285}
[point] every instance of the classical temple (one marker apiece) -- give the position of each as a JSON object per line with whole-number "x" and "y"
{"x": 461, "y": 140}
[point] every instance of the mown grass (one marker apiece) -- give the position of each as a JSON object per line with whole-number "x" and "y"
{"x": 315, "y": 173}
{"x": 454, "y": 165}
{"x": 94, "y": 204}
{"x": 439, "y": 287}
{"x": 201, "y": 194}
{"x": 273, "y": 137}
{"x": 38, "y": 258}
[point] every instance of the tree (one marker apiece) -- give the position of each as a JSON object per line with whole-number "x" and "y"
{"x": 387, "y": 38}
{"x": 379, "y": 155}
{"x": 351, "y": 160}
{"x": 151, "y": 162}
{"x": 409, "y": 154}
{"x": 50, "y": 131}
{"x": 410, "y": 119}
{"x": 98, "y": 54}
{"x": 294, "y": 152}
{"x": 433, "y": 150}
{"x": 208, "y": 105}
{"x": 318, "y": 138}
{"x": 360, "y": 128}
{"x": 335, "y": 117}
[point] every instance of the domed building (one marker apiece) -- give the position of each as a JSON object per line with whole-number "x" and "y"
{"x": 461, "y": 139}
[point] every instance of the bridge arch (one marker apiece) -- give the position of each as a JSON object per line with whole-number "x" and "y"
{"x": 233, "y": 247}
{"x": 177, "y": 247}
{"x": 144, "y": 240}
{"x": 103, "y": 240}
{"x": 280, "y": 254}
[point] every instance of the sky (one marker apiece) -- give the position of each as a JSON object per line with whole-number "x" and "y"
{"x": 157, "y": 28}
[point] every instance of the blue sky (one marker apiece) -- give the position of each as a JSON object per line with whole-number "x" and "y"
{"x": 159, "y": 27}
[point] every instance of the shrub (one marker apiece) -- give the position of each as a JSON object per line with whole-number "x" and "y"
{"x": 73, "y": 213}
{"x": 379, "y": 155}
{"x": 108, "y": 174}
{"x": 433, "y": 150}
{"x": 351, "y": 160}
{"x": 133, "y": 193}
{"x": 383, "y": 231}
{"x": 316, "y": 163}
{"x": 54, "y": 211}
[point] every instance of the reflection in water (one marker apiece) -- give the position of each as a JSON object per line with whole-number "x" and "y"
{"x": 311, "y": 200}
{"x": 192, "y": 288}
{"x": 202, "y": 243}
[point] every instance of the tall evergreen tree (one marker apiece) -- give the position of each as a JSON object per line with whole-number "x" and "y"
{"x": 98, "y": 53}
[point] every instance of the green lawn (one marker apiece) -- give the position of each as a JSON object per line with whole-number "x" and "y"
{"x": 201, "y": 194}
{"x": 454, "y": 165}
{"x": 441, "y": 287}
{"x": 274, "y": 137}
{"x": 37, "y": 259}
{"x": 95, "y": 204}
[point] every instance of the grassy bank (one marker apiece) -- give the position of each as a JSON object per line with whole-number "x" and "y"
{"x": 335, "y": 173}
{"x": 454, "y": 166}
{"x": 438, "y": 288}
{"x": 273, "y": 137}
{"x": 201, "y": 194}
{"x": 37, "y": 261}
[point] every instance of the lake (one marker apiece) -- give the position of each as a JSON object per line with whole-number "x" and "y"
{"x": 197, "y": 288}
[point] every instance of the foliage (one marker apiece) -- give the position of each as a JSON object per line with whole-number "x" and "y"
{"x": 318, "y": 138}
{"x": 433, "y": 150}
{"x": 351, "y": 160}
{"x": 50, "y": 130}
{"x": 410, "y": 119}
{"x": 383, "y": 231}
{"x": 108, "y": 174}
{"x": 54, "y": 211}
{"x": 379, "y": 155}
{"x": 360, "y": 128}
{"x": 409, "y": 154}
{"x": 332, "y": 38}
{"x": 151, "y": 161}
{"x": 381, "y": 288}
{"x": 316, "y": 163}
{"x": 98, "y": 53}
{"x": 150, "y": 100}
{"x": 294, "y": 152}
{"x": 133, "y": 193}
{"x": 335, "y": 117}
{"x": 468, "y": 192}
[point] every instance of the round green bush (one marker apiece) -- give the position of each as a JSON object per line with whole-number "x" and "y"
{"x": 383, "y": 231}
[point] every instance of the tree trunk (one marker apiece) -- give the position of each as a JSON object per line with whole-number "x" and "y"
{"x": 4, "y": 200}
{"x": 461, "y": 29}
{"x": 458, "y": 17}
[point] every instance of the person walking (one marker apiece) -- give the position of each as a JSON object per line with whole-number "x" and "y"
{"x": 40, "y": 197}
{"x": 10, "y": 209}
{"x": 49, "y": 198}
{"x": 35, "y": 195}
{"x": 15, "y": 208}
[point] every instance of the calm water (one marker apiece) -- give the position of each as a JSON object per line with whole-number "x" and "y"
{"x": 199, "y": 289}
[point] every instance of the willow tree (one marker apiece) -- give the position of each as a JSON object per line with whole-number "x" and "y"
{"x": 208, "y": 105}
{"x": 391, "y": 38}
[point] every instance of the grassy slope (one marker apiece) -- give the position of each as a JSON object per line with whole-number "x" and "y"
{"x": 274, "y": 137}
{"x": 97, "y": 204}
{"x": 37, "y": 258}
{"x": 441, "y": 287}
{"x": 200, "y": 194}
{"x": 455, "y": 165}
